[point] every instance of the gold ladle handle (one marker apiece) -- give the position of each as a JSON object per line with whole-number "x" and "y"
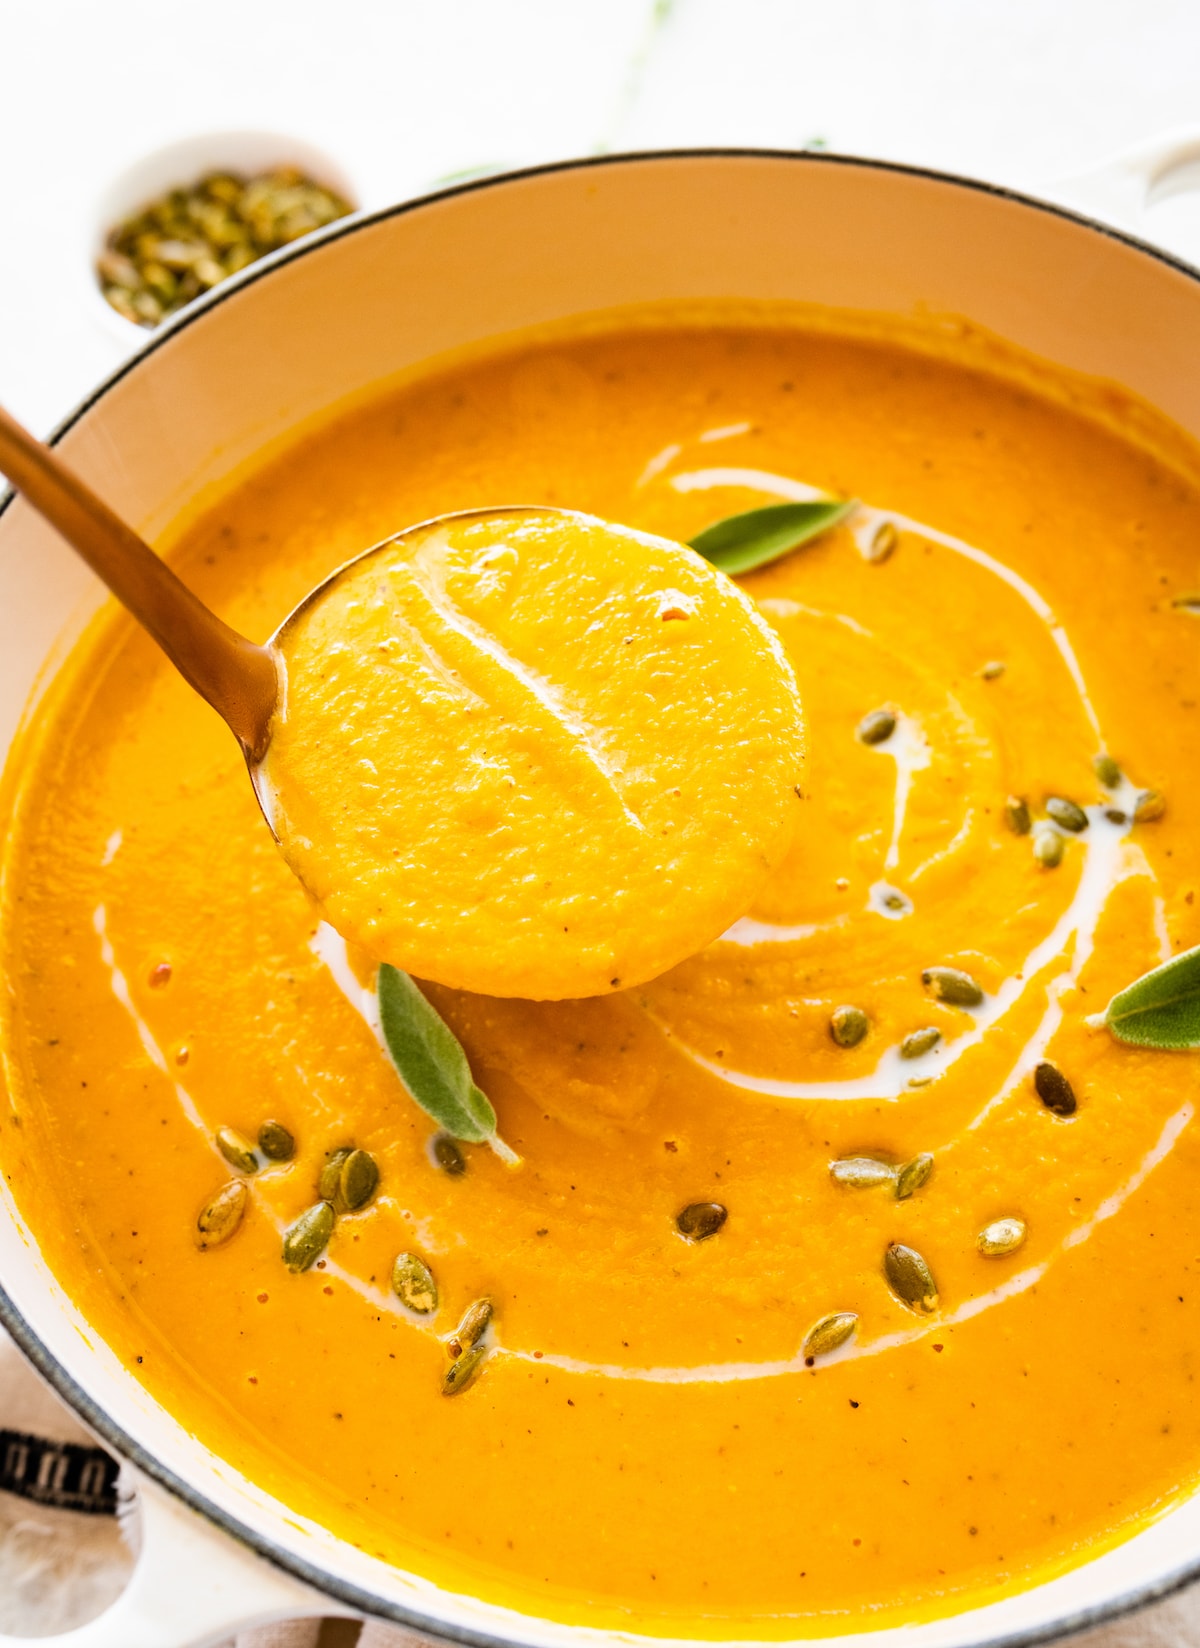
{"x": 235, "y": 676}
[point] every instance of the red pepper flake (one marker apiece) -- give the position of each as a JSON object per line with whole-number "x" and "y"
{"x": 853, "y": 1403}
{"x": 183, "y": 1055}
{"x": 328, "y": 1290}
{"x": 537, "y": 1355}
{"x": 263, "y": 1297}
{"x": 939, "y": 1347}
{"x": 669, "y": 1144}
{"x": 160, "y": 975}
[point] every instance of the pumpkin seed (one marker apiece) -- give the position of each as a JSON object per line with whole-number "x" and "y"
{"x": 160, "y": 281}
{"x": 1068, "y": 815}
{"x": 358, "y": 1180}
{"x": 330, "y": 1176}
{"x": 120, "y": 299}
{"x": 1016, "y": 815}
{"x": 147, "y": 308}
{"x": 1106, "y": 770}
{"x": 700, "y": 1220}
{"x": 238, "y": 257}
{"x": 1150, "y": 805}
{"x": 189, "y": 239}
{"x": 448, "y": 1156}
{"x": 861, "y": 1172}
{"x": 1048, "y": 846}
{"x": 910, "y": 1278}
{"x": 275, "y": 1142}
{"x": 993, "y": 669}
{"x": 913, "y": 1175}
{"x": 237, "y": 1149}
{"x": 461, "y": 1373}
{"x": 306, "y": 1239}
{"x": 920, "y": 1041}
{"x": 219, "y": 1218}
{"x": 877, "y": 727}
{"x": 1000, "y": 1237}
{"x": 848, "y": 1025}
{"x": 883, "y": 542}
{"x": 952, "y": 985}
{"x": 177, "y": 255}
{"x": 117, "y": 270}
{"x": 413, "y": 1284}
{"x": 223, "y": 186}
{"x": 472, "y": 1327}
{"x": 830, "y": 1332}
{"x": 1054, "y": 1090}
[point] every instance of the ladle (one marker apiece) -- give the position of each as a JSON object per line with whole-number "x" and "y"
{"x": 517, "y": 793}
{"x": 237, "y": 677}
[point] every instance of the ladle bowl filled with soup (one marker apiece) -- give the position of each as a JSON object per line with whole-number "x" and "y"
{"x": 841, "y": 1278}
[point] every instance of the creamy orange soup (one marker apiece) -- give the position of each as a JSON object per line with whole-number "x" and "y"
{"x": 487, "y": 767}
{"x": 646, "y": 1442}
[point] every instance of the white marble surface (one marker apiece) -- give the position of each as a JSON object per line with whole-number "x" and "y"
{"x": 402, "y": 92}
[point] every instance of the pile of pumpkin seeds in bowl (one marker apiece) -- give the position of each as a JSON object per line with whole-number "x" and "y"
{"x": 191, "y": 239}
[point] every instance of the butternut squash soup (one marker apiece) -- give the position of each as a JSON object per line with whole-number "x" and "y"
{"x": 847, "y": 1273}
{"x": 487, "y": 766}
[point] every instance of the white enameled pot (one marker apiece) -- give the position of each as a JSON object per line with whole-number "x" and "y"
{"x": 350, "y": 307}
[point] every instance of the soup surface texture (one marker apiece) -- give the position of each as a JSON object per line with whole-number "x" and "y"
{"x": 644, "y": 1443}
{"x": 487, "y": 766}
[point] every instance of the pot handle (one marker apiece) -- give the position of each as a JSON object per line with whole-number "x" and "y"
{"x": 1120, "y": 190}
{"x": 192, "y": 1587}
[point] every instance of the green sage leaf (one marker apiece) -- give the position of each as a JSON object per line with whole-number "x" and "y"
{"x": 756, "y": 537}
{"x": 1162, "y": 1008}
{"x": 430, "y": 1060}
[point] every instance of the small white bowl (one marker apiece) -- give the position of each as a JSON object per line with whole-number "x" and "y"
{"x": 179, "y": 165}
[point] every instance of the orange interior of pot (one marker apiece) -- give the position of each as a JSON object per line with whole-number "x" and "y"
{"x": 645, "y": 1446}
